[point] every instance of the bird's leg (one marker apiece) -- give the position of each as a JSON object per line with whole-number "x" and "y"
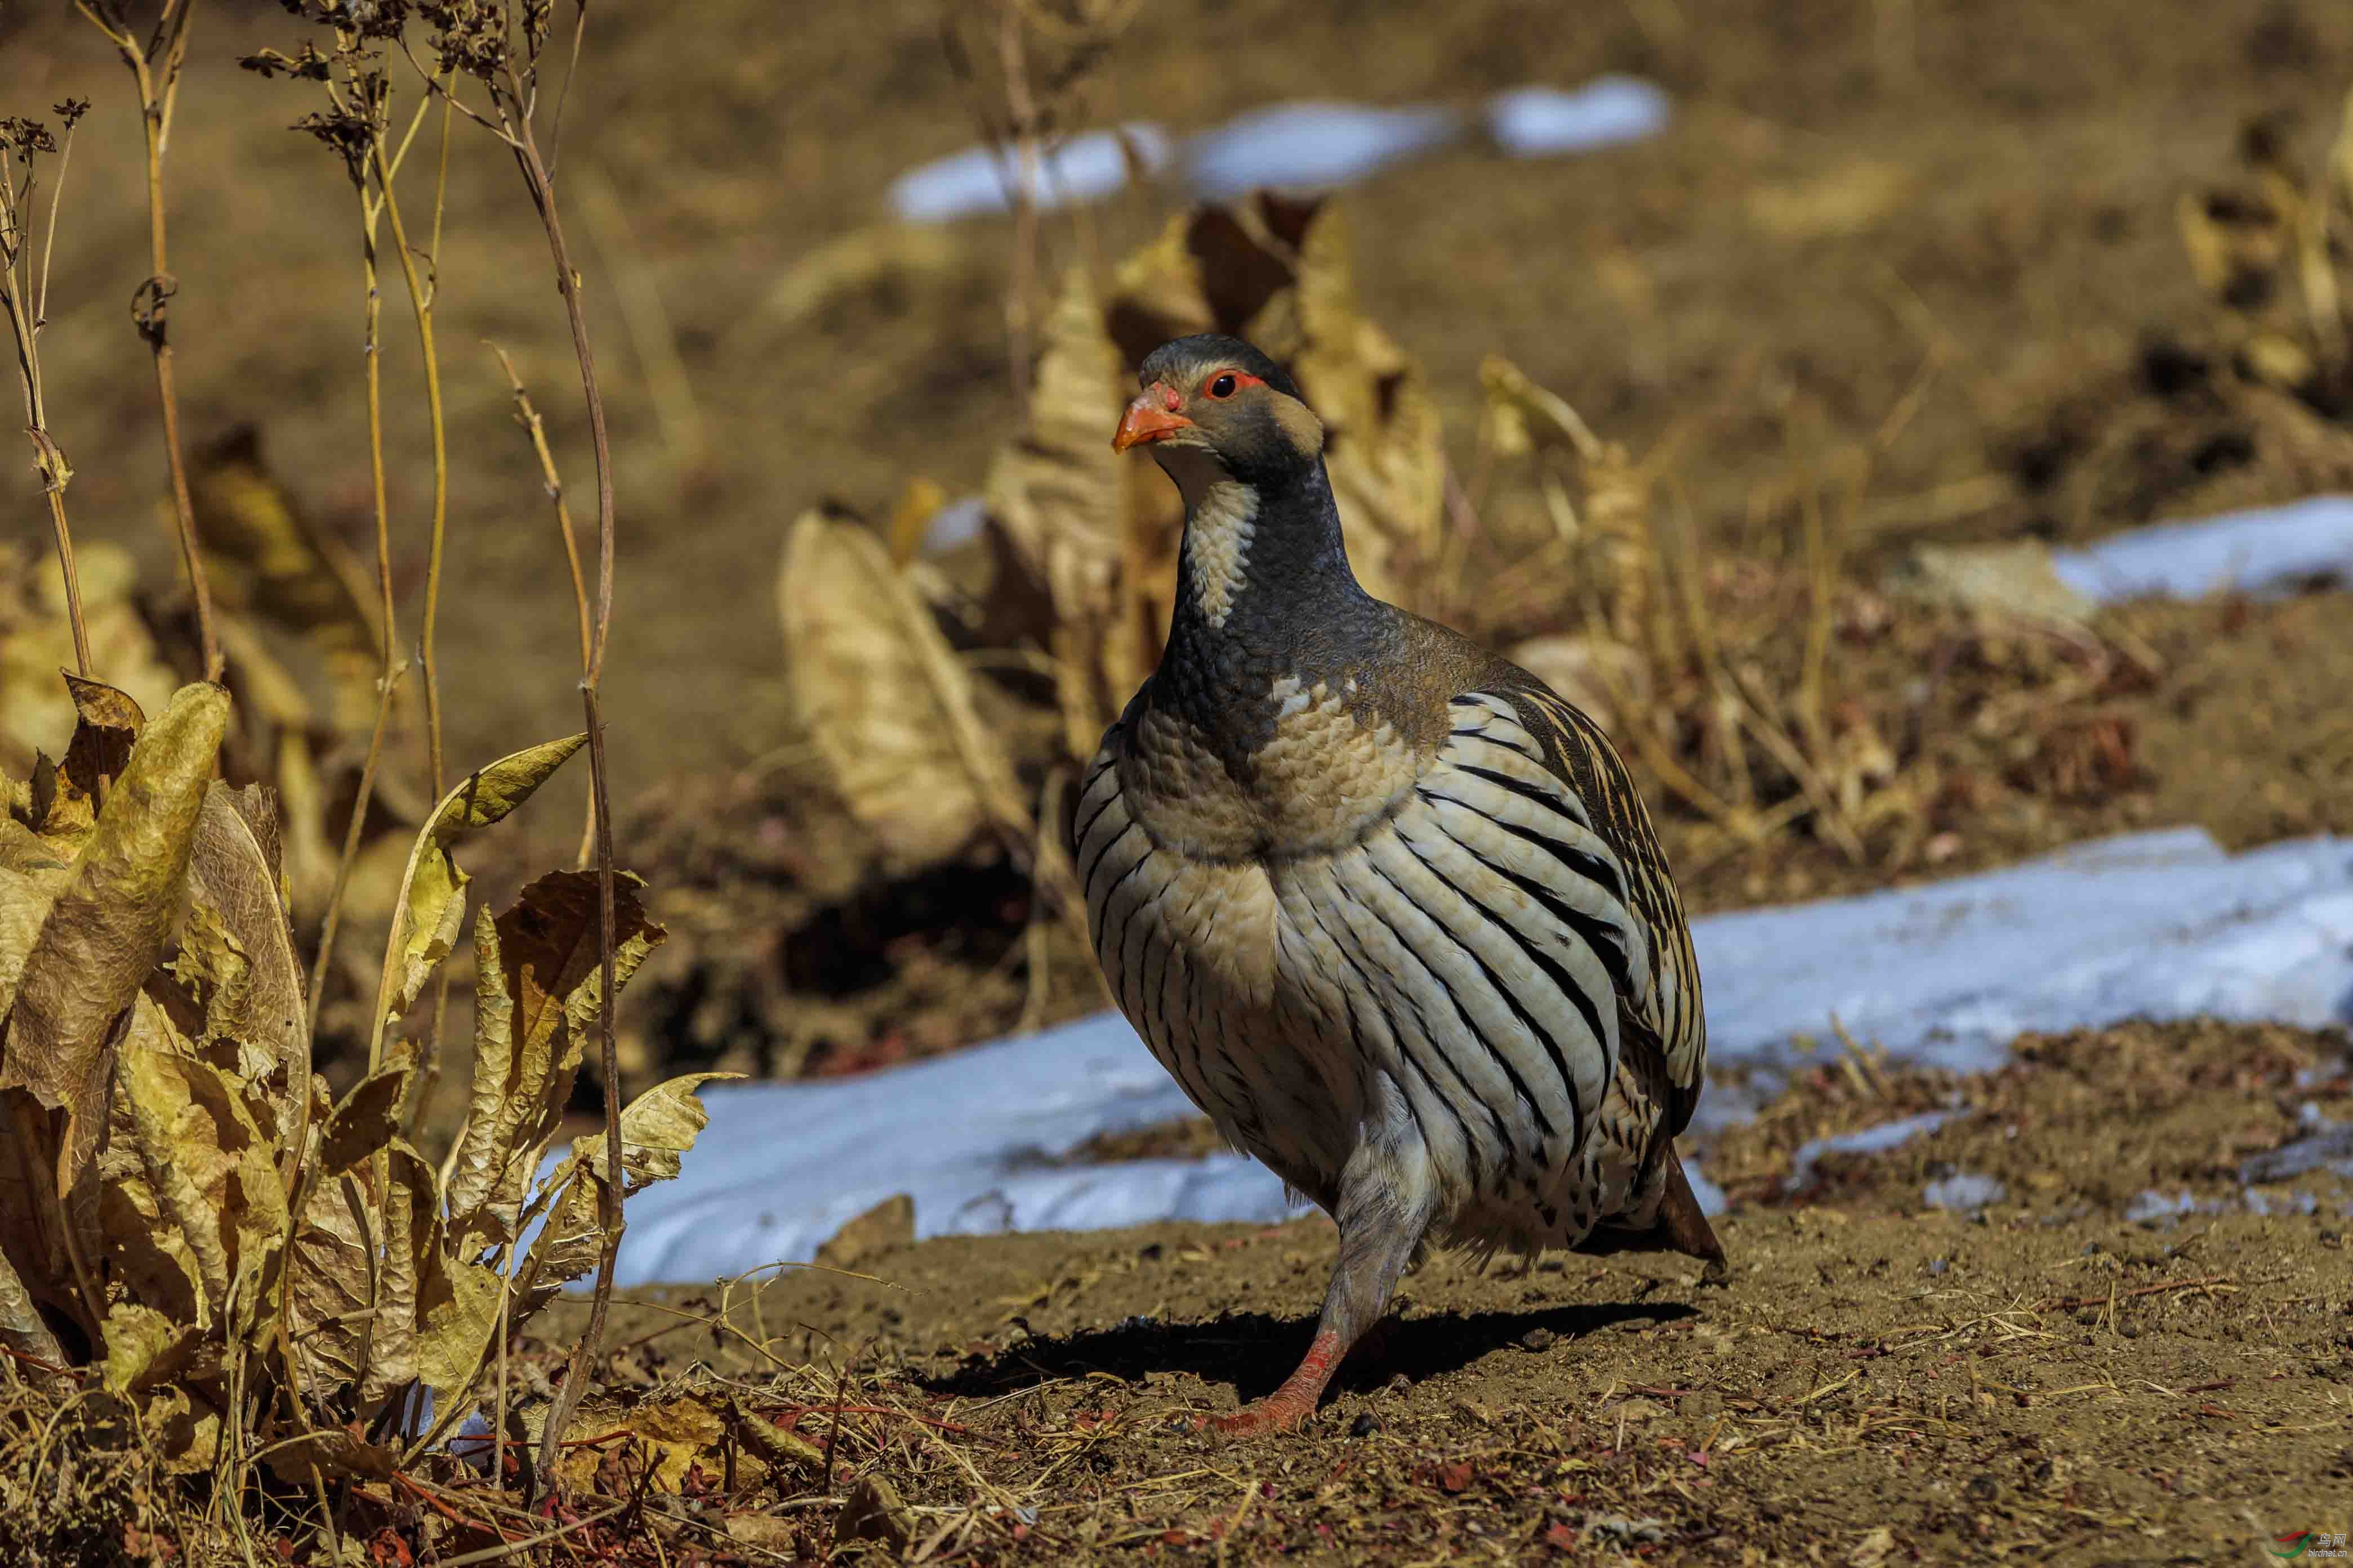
{"x": 1382, "y": 1221}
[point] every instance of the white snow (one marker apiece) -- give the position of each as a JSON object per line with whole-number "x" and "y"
{"x": 1540, "y": 121}
{"x": 1307, "y": 145}
{"x": 1085, "y": 168}
{"x": 1964, "y": 1192}
{"x": 1875, "y": 1139}
{"x": 2160, "y": 924}
{"x": 2266, "y": 549}
{"x": 1311, "y": 146}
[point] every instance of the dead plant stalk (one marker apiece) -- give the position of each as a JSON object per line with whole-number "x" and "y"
{"x": 155, "y": 68}
{"x": 26, "y": 297}
{"x": 513, "y": 85}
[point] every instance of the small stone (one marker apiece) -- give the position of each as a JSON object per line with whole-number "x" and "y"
{"x": 1937, "y": 1265}
{"x": 888, "y": 1224}
{"x": 1537, "y": 1339}
{"x": 874, "y": 1511}
{"x": 1981, "y": 1489}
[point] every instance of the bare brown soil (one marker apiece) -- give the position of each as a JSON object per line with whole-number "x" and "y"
{"x": 1880, "y": 1381}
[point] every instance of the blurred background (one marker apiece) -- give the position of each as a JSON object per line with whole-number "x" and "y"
{"x": 1743, "y": 368}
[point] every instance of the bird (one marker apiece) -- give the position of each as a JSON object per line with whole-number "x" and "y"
{"x": 1390, "y": 910}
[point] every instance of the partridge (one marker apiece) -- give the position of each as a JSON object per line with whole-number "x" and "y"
{"x": 1388, "y": 909}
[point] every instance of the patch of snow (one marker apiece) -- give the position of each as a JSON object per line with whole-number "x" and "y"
{"x": 1964, "y": 1192}
{"x": 2257, "y": 550}
{"x": 1875, "y": 1139}
{"x": 1711, "y": 1201}
{"x": 2330, "y": 1149}
{"x": 958, "y": 522}
{"x": 2295, "y": 1203}
{"x": 2152, "y": 1207}
{"x": 2158, "y": 924}
{"x": 1085, "y": 168}
{"x": 1311, "y": 146}
{"x": 1540, "y": 121}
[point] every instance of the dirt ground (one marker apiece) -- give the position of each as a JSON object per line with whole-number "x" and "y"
{"x": 2041, "y": 1379}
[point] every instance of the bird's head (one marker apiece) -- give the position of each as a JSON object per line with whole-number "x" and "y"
{"x": 1213, "y": 406}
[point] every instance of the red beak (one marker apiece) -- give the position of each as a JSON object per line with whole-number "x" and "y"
{"x": 1153, "y": 416}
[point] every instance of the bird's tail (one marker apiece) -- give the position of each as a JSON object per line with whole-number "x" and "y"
{"x": 1678, "y": 1226}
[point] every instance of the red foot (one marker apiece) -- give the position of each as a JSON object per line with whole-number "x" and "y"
{"x": 1269, "y": 1416}
{"x": 1294, "y": 1403}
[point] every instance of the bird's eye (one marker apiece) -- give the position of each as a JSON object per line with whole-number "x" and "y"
{"x": 1223, "y": 387}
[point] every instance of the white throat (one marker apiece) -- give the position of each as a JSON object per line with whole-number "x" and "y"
{"x": 1221, "y": 515}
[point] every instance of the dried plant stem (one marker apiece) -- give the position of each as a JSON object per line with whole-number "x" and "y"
{"x": 27, "y": 307}
{"x": 522, "y": 141}
{"x": 420, "y": 300}
{"x": 389, "y": 672}
{"x": 155, "y": 68}
{"x": 421, "y": 304}
{"x": 72, "y": 575}
{"x": 527, "y": 415}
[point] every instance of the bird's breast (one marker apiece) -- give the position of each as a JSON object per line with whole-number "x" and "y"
{"x": 1316, "y": 777}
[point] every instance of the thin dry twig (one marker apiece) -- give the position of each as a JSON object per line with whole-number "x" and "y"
{"x": 155, "y": 68}
{"x": 24, "y": 298}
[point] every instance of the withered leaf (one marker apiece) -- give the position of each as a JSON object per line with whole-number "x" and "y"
{"x": 333, "y": 1451}
{"x": 456, "y": 1321}
{"x": 677, "y": 1435}
{"x": 411, "y": 1217}
{"x": 332, "y": 1266}
{"x": 431, "y": 908}
{"x": 884, "y": 700}
{"x": 538, "y": 983}
{"x": 144, "y": 1251}
{"x": 107, "y": 928}
{"x": 22, "y": 1329}
{"x": 1071, "y": 513}
{"x": 36, "y": 640}
{"x": 656, "y": 1129}
{"x": 25, "y": 899}
{"x": 270, "y": 560}
{"x": 366, "y": 1120}
{"x": 234, "y": 873}
{"x": 144, "y": 1347}
{"x": 214, "y": 1173}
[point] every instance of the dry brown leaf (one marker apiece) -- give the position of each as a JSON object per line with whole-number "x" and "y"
{"x": 331, "y": 1451}
{"x": 411, "y": 1255}
{"x": 214, "y": 1173}
{"x": 332, "y": 1266}
{"x": 233, "y": 878}
{"x": 22, "y": 1329}
{"x": 36, "y": 641}
{"x": 676, "y": 1435}
{"x": 657, "y": 1129}
{"x": 886, "y": 701}
{"x": 538, "y": 989}
{"x": 268, "y": 559}
{"x": 107, "y": 928}
{"x": 366, "y": 1120}
{"x": 1059, "y": 495}
{"x": 1382, "y": 441}
{"x": 31, "y": 877}
{"x": 431, "y": 908}
{"x": 146, "y": 1256}
{"x": 457, "y": 1322}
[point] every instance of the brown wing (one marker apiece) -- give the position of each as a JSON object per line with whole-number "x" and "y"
{"x": 1670, "y": 1023}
